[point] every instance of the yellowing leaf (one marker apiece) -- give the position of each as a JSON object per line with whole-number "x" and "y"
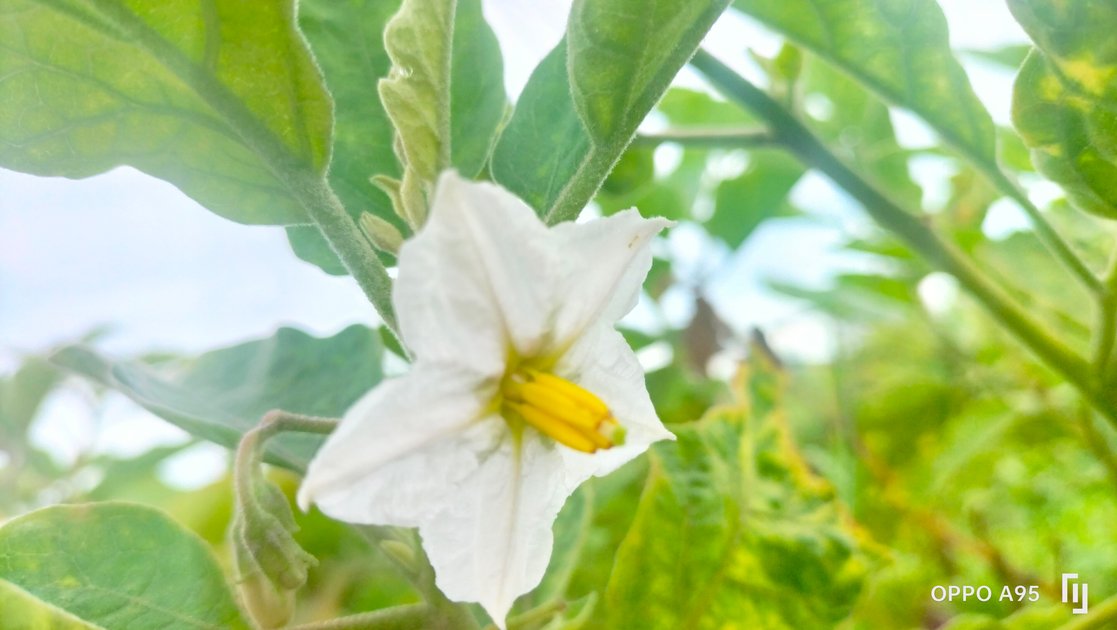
{"x": 1065, "y": 98}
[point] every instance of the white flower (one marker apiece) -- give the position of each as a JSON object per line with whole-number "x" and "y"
{"x": 520, "y": 390}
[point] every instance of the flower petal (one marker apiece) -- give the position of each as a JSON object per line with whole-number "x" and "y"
{"x": 476, "y": 277}
{"x": 493, "y": 541}
{"x": 602, "y": 362}
{"x": 605, "y": 263}
{"x": 403, "y": 447}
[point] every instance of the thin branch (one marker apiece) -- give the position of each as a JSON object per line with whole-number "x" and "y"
{"x": 1107, "y": 322}
{"x": 906, "y": 225}
{"x": 410, "y": 617}
{"x": 1047, "y": 234}
{"x": 713, "y": 138}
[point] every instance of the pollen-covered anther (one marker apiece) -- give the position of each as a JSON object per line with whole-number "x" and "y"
{"x": 562, "y": 410}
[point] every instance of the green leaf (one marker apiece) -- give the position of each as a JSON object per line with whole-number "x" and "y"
{"x": 347, "y": 41}
{"x": 478, "y": 102}
{"x": 1064, "y": 98}
{"x": 1010, "y": 56}
{"x": 222, "y": 394}
{"x": 24, "y": 610}
{"x": 21, "y": 394}
{"x": 572, "y": 529}
{"x": 416, "y": 94}
{"x": 741, "y": 204}
{"x": 859, "y": 129}
{"x": 220, "y": 98}
{"x": 689, "y": 108}
{"x": 900, "y": 49}
{"x": 732, "y": 525}
{"x": 623, "y": 54}
{"x": 117, "y": 565}
{"x": 583, "y": 103}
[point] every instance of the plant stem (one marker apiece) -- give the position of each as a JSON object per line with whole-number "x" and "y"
{"x": 348, "y": 242}
{"x": 1107, "y": 321}
{"x": 1102, "y": 616}
{"x": 410, "y": 617}
{"x": 247, "y": 459}
{"x": 1044, "y": 230}
{"x": 799, "y": 140}
{"x": 735, "y": 138}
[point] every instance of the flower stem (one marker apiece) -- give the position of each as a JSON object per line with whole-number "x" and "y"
{"x": 247, "y": 460}
{"x": 799, "y": 140}
{"x": 410, "y": 617}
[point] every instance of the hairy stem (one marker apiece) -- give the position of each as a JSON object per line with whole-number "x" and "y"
{"x": 736, "y": 138}
{"x": 410, "y": 617}
{"x": 348, "y": 242}
{"x": 251, "y": 446}
{"x": 792, "y": 134}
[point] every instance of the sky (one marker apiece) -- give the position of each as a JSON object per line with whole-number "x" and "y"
{"x": 130, "y": 252}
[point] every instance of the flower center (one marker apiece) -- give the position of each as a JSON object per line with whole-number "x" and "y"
{"x": 563, "y": 411}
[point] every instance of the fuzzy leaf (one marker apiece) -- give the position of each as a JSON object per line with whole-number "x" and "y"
{"x": 115, "y": 565}
{"x": 1065, "y": 99}
{"x": 900, "y": 49}
{"x": 215, "y": 97}
{"x": 348, "y": 45}
{"x": 583, "y": 103}
{"x": 733, "y": 525}
{"x": 222, "y": 394}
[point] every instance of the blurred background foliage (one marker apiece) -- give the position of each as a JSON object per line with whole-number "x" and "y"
{"x": 928, "y": 447}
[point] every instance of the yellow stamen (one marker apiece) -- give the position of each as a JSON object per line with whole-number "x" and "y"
{"x": 556, "y": 429}
{"x": 562, "y": 410}
{"x": 570, "y": 390}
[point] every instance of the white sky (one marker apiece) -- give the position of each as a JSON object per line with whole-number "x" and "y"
{"x": 130, "y": 251}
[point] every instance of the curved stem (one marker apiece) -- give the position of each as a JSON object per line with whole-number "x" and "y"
{"x": 906, "y": 225}
{"x": 1044, "y": 230}
{"x": 247, "y": 459}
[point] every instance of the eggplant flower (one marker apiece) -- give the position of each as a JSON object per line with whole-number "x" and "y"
{"x": 520, "y": 389}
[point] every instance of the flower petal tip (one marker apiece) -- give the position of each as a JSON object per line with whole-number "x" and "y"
{"x": 304, "y": 499}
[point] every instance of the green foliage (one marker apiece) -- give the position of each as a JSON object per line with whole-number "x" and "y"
{"x": 858, "y": 126}
{"x": 741, "y": 204}
{"x": 23, "y": 610}
{"x": 732, "y": 525}
{"x": 160, "y": 88}
{"x": 114, "y": 565}
{"x": 929, "y": 433}
{"x": 222, "y": 394}
{"x": 583, "y": 103}
{"x": 899, "y": 49}
{"x": 1065, "y": 96}
{"x": 362, "y": 138}
{"x": 444, "y": 95}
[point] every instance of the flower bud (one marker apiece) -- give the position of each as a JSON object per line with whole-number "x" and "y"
{"x": 269, "y": 605}
{"x": 384, "y": 236}
{"x": 273, "y": 548}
